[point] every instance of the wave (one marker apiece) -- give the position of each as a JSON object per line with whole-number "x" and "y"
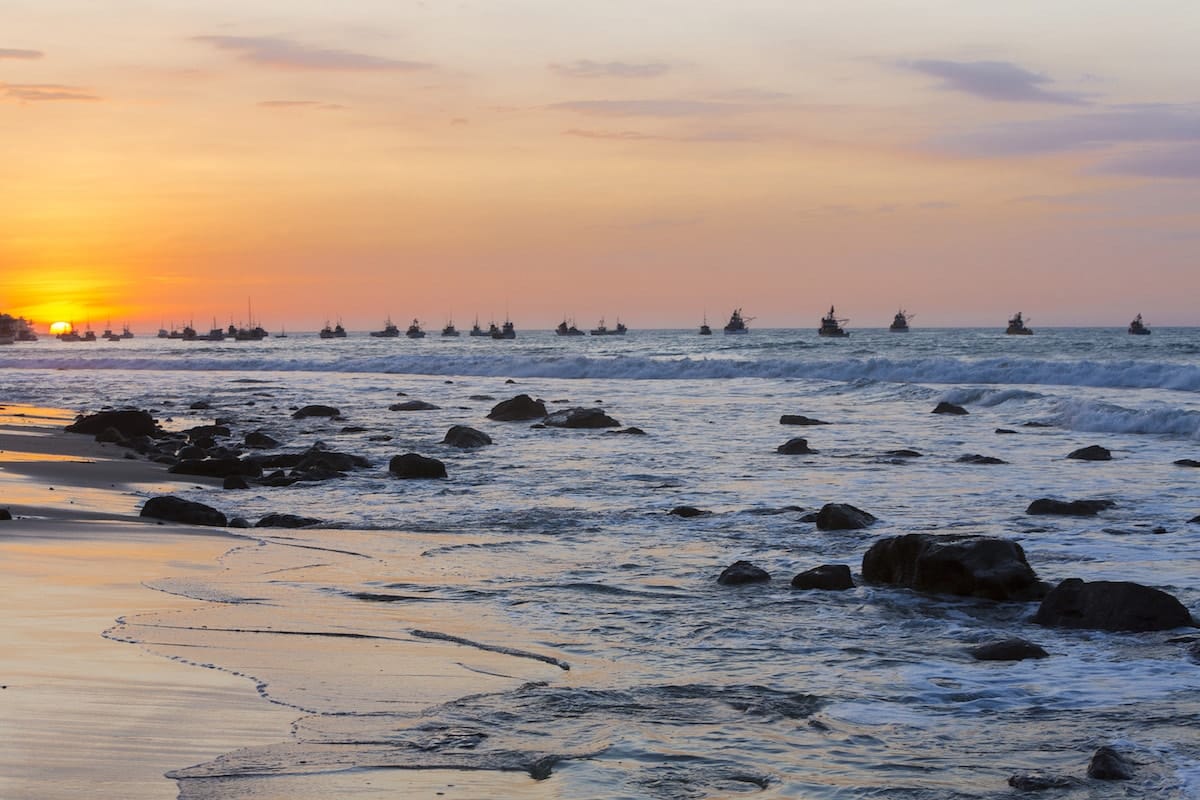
{"x": 1096, "y": 417}
{"x": 1132, "y": 374}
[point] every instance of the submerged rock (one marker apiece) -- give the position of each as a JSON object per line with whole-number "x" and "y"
{"x": 5, "y": 515}
{"x": 1003, "y": 431}
{"x": 976, "y": 458}
{"x": 1007, "y": 650}
{"x": 1186, "y": 462}
{"x": 286, "y": 521}
{"x": 828, "y": 577}
{"x": 799, "y": 419}
{"x": 129, "y": 422}
{"x": 1033, "y": 782}
{"x": 688, "y": 511}
{"x": 795, "y": 447}
{"x": 413, "y": 405}
{"x": 948, "y": 408}
{"x": 316, "y": 411}
{"x": 519, "y": 408}
{"x": 1111, "y": 606}
{"x": 235, "y": 482}
{"x": 1091, "y": 453}
{"x": 970, "y": 566}
{"x": 630, "y": 431}
{"x": 742, "y": 572}
{"x": 260, "y": 441}
{"x": 176, "y": 509}
{"x": 1072, "y": 508}
{"x": 843, "y": 517}
{"x": 414, "y": 465}
{"x": 903, "y": 453}
{"x": 1109, "y": 765}
{"x": 466, "y": 437}
{"x": 216, "y": 467}
{"x": 581, "y": 418}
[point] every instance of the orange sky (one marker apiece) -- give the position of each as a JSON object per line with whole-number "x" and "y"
{"x": 170, "y": 161}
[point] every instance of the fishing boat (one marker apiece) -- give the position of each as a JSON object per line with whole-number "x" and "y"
{"x": 163, "y": 334}
{"x": 564, "y": 329}
{"x": 478, "y": 331}
{"x": 255, "y": 334}
{"x": 737, "y": 323}
{"x": 336, "y": 332}
{"x": 414, "y": 330}
{"x": 282, "y": 333}
{"x": 89, "y": 335}
{"x": 832, "y": 326}
{"x": 1138, "y": 328}
{"x": 603, "y": 330}
{"x": 705, "y": 329}
{"x": 108, "y": 334}
{"x": 450, "y": 330}
{"x": 215, "y": 334}
{"x": 390, "y": 331}
{"x": 1016, "y": 326}
{"x": 509, "y": 331}
{"x": 125, "y": 332}
{"x": 900, "y": 322}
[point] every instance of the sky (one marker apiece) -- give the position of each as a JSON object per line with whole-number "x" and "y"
{"x": 164, "y": 161}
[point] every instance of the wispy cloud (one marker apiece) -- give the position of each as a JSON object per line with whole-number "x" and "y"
{"x": 1177, "y": 161}
{"x": 638, "y": 136}
{"x": 649, "y": 108}
{"x": 313, "y": 104}
{"x": 993, "y": 80}
{"x": 281, "y": 53}
{"x": 43, "y": 92}
{"x": 585, "y": 68}
{"x": 20, "y": 55}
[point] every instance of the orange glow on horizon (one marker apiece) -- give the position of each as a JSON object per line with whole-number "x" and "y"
{"x": 57, "y": 328}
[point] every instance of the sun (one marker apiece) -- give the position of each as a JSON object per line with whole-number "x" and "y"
{"x": 57, "y": 328}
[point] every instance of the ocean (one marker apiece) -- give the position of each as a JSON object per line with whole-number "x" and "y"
{"x": 540, "y": 610}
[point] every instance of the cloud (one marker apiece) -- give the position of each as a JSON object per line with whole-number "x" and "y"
{"x": 269, "y": 51}
{"x": 1179, "y": 161}
{"x": 648, "y": 108}
{"x": 314, "y": 104}
{"x": 41, "y": 92}
{"x": 638, "y": 136}
{"x": 585, "y": 68}
{"x": 993, "y": 80}
{"x": 20, "y": 55}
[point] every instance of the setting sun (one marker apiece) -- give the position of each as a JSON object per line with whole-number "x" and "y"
{"x": 57, "y": 328}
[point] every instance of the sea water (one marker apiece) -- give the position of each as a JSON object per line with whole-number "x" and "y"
{"x": 540, "y": 611}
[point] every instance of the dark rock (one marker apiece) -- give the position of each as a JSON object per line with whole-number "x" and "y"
{"x": 948, "y": 408}
{"x": 129, "y": 422}
{"x": 5, "y": 514}
{"x": 521, "y": 407}
{"x": 799, "y": 419}
{"x": 1073, "y": 508}
{"x": 413, "y": 405}
{"x": 286, "y": 521}
{"x": 176, "y": 509}
{"x": 316, "y": 411}
{"x": 481, "y": 397}
{"x": 1109, "y": 765}
{"x": 975, "y": 458}
{"x": 830, "y": 577}
{"x": 412, "y": 465}
{"x": 811, "y": 516}
{"x": 1040, "y": 783}
{"x": 216, "y": 467}
{"x": 1111, "y": 606}
{"x": 381, "y": 437}
{"x": 1091, "y": 453}
{"x": 843, "y": 517}
{"x": 239, "y": 522}
{"x": 278, "y": 479}
{"x": 1186, "y": 462}
{"x": 235, "y": 482}
{"x": 537, "y": 426}
{"x": 260, "y": 441}
{"x": 111, "y": 436}
{"x": 191, "y": 451}
{"x": 581, "y": 418}
{"x": 795, "y": 447}
{"x": 510, "y": 380}
{"x": 1194, "y": 520}
{"x": 1005, "y": 431}
{"x": 971, "y": 566}
{"x": 1036, "y": 425}
{"x": 631, "y": 431}
{"x": 353, "y": 429}
{"x": 201, "y": 432}
{"x": 200, "y": 405}
{"x": 466, "y": 437}
{"x": 742, "y": 572}
{"x": 905, "y": 453}
{"x": 688, "y": 511}
{"x": 1007, "y": 650}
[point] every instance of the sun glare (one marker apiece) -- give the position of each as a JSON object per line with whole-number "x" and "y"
{"x": 60, "y": 327}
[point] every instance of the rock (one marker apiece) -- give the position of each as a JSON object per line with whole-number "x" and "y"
{"x": 412, "y": 465}
{"x": 5, "y": 515}
{"x": 353, "y": 429}
{"x": 521, "y": 407}
{"x": 1073, "y": 508}
{"x": 795, "y": 447}
{"x": 413, "y": 405}
{"x": 129, "y": 422}
{"x": 1194, "y": 520}
{"x": 843, "y": 517}
{"x": 829, "y": 577}
{"x": 216, "y": 467}
{"x": 111, "y": 436}
{"x": 975, "y": 458}
{"x": 1091, "y": 453}
{"x": 905, "y": 453}
{"x": 1109, "y": 765}
{"x": 970, "y": 566}
{"x": 1035, "y": 424}
{"x": 810, "y": 517}
{"x": 286, "y": 521}
{"x": 1186, "y": 462}
{"x": 1007, "y": 650}
{"x": 239, "y": 522}
{"x": 1111, "y": 606}
{"x": 1005, "y": 431}
{"x": 742, "y": 572}
{"x": 235, "y": 482}
{"x": 580, "y": 418}
{"x": 948, "y": 408}
{"x": 176, "y": 509}
{"x": 466, "y": 437}
{"x": 316, "y": 411}
{"x": 510, "y": 380}
{"x": 201, "y": 432}
{"x": 260, "y": 441}
{"x": 799, "y": 419}
{"x": 630, "y": 431}
{"x": 481, "y": 397}
{"x": 1040, "y": 783}
{"x": 200, "y": 405}
{"x": 192, "y": 452}
{"x": 688, "y": 511}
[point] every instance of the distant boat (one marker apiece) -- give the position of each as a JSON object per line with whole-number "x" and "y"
{"x": 390, "y": 331}
{"x": 336, "y": 332}
{"x": 831, "y": 325}
{"x": 125, "y": 332}
{"x": 900, "y": 322}
{"x": 1138, "y": 328}
{"x": 567, "y": 330}
{"x": 602, "y": 329}
{"x": 705, "y": 330}
{"x": 450, "y": 330}
{"x": 162, "y": 333}
{"x": 89, "y": 335}
{"x": 1016, "y": 326}
{"x": 737, "y": 323}
{"x": 509, "y": 331}
{"x": 282, "y": 333}
{"x": 70, "y": 335}
{"x": 108, "y": 334}
{"x": 414, "y": 331}
{"x": 478, "y": 331}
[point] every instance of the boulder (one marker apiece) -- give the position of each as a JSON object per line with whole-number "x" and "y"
{"x": 581, "y": 418}
{"x": 1007, "y": 650}
{"x": 976, "y": 458}
{"x": 630, "y": 431}
{"x": 112, "y": 436}
{"x": 1109, "y": 765}
{"x": 903, "y": 453}
{"x": 948, "y": 408}
{"x": 795, "y": 447}
{"x": 176, "y": 509}
{"x": 129, "y": 422}
{"x": 742, "y": 572}
{"x": 200, "y": 405}
{"x": 481, "y": 397}
{"x": 5, "y": 515}
{"x": 969, "y": 566}
{"x": 413, "y": 405}
{"x": 1111, "y": 606}
{"x": 239, "y": 522}
{"x": 261, "y": 441}
{"x": 1036, "y": 424}
{"x": 286, "y": 521}
{"x": 412, "y": 465}
{"x": 843, "y": 517}
{"x": 1091, "y": 453}
{"x": 235, "y": 482}
{"x": 829, "y": 577}
{"x": 191, "y": 451}
{"x": 516, "y": 409}
{"x": 1186, "y": 462}
{"x": 316, "y": 411}
{"x": 688, "y": 511}
{"x": 1072, "y": 508}
{"x": 216, "y": 467}
{"x": 353, "y": 429}
{"x": 206, "y": 432}
{"x": 1194, "y": 520}
{"x": 466, "y": 437}
{"x": 1005, "y": 431}
{"x": 799, "y": 419}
